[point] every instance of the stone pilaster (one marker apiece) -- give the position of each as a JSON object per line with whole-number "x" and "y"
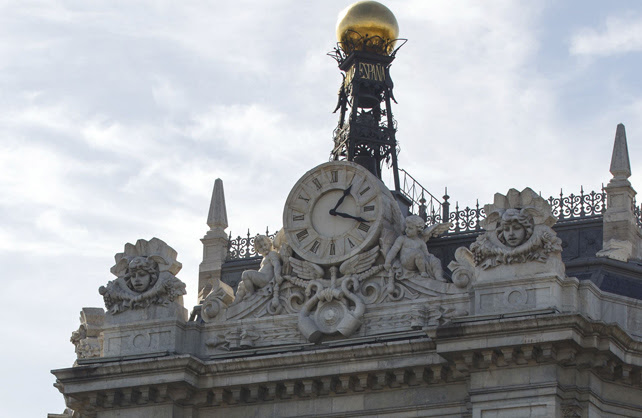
{"x": 622, "y": 237}
{"x": 215, "y": 243}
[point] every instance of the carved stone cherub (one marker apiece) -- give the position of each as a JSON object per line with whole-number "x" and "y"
{"x": 413, "y": 252}
{"x": 145, "y": 276}
{"x": 270, "y": 269}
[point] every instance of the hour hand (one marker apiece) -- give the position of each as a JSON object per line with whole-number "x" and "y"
{"x": 341, "y": 199}
{"x": 346, "y": 215}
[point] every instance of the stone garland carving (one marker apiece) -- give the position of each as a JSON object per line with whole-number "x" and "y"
{"x": 518, "y": 230}
{"x": 145, "y": 276}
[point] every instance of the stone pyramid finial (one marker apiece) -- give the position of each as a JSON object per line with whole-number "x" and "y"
{"x": 217, "y": 216}
{"x": 620, "y": 165}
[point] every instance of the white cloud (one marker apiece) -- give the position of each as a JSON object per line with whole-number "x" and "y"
{"x": 619, "y": 35}
{"x": 477, "y": 97}
{"x": 115, "y": 119}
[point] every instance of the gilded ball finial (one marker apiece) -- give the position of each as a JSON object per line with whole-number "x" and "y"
{"x": 367, "y": 25}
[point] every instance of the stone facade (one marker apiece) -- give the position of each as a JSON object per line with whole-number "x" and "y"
{"x": 505, "y": 331}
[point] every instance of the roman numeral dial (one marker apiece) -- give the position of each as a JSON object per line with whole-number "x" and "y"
{"x": 335, "y": 211}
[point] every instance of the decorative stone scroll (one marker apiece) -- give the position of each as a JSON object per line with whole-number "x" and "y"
{"x": 329, "y": 300}
{"x": 216, "y": 301}
{"x": 86, "y": 338}
{"x": 145, "y": 277}
{"x": 334, "y": 307}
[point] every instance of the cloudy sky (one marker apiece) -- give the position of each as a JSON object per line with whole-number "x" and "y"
{"x": 116, "y": 117}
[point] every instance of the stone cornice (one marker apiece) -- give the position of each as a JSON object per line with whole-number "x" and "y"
{"x": 371, "y": 354}
{"x": 447, "y": 354}
{"x": 511, "y": 329}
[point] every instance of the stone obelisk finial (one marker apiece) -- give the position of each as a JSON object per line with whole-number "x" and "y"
{"x": 214, "y": 242}
{"x": 621, "y": 236}
{"x": 620, "y": 165}
{"x": 217, "y": 216}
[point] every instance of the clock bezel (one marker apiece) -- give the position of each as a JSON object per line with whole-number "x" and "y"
{"x": 306, "y": 188}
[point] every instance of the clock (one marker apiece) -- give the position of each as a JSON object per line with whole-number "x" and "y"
{"x": 335, "y": 211}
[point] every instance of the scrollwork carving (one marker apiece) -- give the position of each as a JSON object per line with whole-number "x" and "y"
{"x": 463, "y": 267}
{"x": 87, "y": 338}
{"x": 216, "y": 301}
{"x": 332, "y": 305}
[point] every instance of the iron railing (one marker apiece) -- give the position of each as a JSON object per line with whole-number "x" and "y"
{"x": 568, "y": 208}
{"x": 578, "y": 206}
{"x": 637, "y": 211}
{"x": 431, "y": 209}
{"x": 467, "y": 219}
{"x": 243, "y": 247}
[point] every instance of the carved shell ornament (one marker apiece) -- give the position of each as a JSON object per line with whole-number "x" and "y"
{"x": 527, "y": 199}
{"x": 154, "y": 249}
{"x": 518, "y": 229}
{"x": 145, "y": 276}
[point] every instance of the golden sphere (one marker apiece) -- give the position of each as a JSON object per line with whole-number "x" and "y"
{"x": 370, "y": 20}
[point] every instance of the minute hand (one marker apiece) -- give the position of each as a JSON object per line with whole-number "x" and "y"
{"x": 345, "y": 215}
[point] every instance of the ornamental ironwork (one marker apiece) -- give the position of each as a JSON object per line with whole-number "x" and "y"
{"x": 467, "y": 219}
{"x": 637, "y": 211}
{"x": 567, "y": 208}
{"x": 371, "y": 44}
{"x": 243, "y": 247}
{"x": 365, "y": 133}
{"x": 578, "y": 206}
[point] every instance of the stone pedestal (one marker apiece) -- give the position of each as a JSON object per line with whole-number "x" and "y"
{"x": 520, "y": 287}
{"x": 621, "y": 233}
{"x": 145, "y": 338}
{"x": 214, "y": 252}
{"x": 155, "y": 329}
{"x": 622, "y": 237}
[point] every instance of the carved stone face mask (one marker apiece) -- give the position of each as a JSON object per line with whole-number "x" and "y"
{"x": 514, "y": 233}
{"x": 140, "y": 281}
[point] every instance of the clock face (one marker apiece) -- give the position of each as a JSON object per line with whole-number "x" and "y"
{"x": 334, "y": 212}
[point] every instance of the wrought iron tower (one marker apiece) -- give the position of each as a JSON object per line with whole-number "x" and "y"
{"x": 366, "y": 130}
